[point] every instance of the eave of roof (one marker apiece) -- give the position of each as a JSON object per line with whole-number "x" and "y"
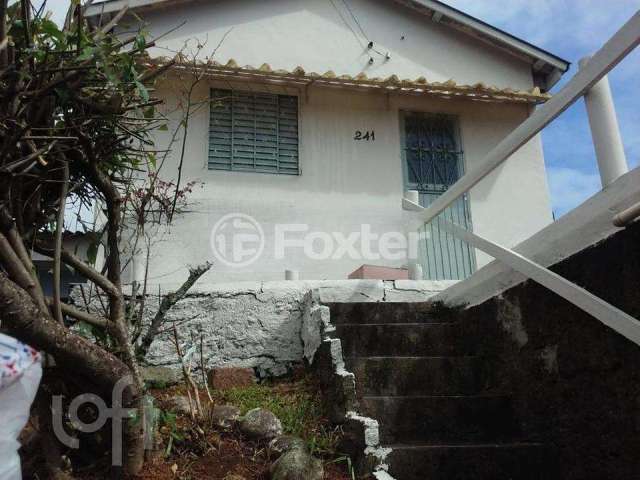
{"x": 543, "y": 63}
{"x": 298, "y": 77}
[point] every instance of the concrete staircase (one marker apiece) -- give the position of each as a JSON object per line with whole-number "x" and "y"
{"x": 421, "y": 376}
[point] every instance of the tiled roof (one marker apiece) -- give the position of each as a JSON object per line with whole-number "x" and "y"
{"x": 392, "y": 84}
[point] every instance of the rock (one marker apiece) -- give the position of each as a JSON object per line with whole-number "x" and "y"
{"x": 180, "y": 404}
{"x": 284, "y": 443}
{"x": 160, "y": 377}
{"x": 224, "y": 417}
{"x": 260, "y": 424}
{"x": 224, "y": 378}
{"x": 297, "y": 464}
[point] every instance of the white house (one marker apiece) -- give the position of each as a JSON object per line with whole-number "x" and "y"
{"x": 315, "y": 117}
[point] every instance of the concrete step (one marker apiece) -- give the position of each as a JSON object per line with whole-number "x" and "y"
{"x": 403, "y": 339}
{"x": 511, "y": 461}
{"x": 442, "y": 419}
{"x": 383, "y": 312}
{"x": 417, "y": 375}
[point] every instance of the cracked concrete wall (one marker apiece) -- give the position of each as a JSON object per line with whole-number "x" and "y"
{"x": 361, "y": 439}
{"x": 260, "y": 324}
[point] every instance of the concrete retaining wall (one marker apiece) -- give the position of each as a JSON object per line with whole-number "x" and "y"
{"x": 258, "y": 324}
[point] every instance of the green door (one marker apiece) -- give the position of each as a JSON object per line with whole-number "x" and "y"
{"x": 433, "y": 162}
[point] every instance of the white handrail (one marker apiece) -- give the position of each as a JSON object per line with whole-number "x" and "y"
{"x": 608, "y": 314}
{"x": 619, "y": 46}
{"x": 627, "y": 216}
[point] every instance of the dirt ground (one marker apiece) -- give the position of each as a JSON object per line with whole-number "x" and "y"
{"x": 189, "y": 450}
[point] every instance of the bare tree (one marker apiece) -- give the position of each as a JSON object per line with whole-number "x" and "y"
{"x": 75, "y": 118}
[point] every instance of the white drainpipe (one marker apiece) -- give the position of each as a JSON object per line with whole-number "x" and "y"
{"x": 605, "y": 131}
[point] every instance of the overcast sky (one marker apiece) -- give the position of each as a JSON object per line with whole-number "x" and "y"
{"x": 570, "y": 29}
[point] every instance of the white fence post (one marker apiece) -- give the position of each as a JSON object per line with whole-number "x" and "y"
{"x": 605, "y": 131}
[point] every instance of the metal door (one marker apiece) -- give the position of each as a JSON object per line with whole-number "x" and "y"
{"x": 433, "y": 161}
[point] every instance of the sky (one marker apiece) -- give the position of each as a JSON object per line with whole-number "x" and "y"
{"x": 573, "y": 29}
{"x": 570, "y": 29}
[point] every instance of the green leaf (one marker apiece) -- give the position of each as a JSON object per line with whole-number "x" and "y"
{"x": 49, "y": 28}
{"x": 140, "y": 42}
{"x": 163, "y": 128}
{"x": 87, "y": 53}
{"x": 142, "y": 90}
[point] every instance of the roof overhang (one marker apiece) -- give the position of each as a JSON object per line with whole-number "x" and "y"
{"x": 546, "y": 67}
{"x": 298, "y": 78}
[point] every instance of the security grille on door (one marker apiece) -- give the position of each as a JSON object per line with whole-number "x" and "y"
{"x": 253, "y": 132}
{"x": 433, "y": 162}
{"x": 433, "y": 157}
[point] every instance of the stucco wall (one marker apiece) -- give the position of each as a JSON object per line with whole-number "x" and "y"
{"x": 311, "y": 33}
{"x": 343, "y": 184}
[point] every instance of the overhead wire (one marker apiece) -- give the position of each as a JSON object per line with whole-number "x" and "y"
{"x": 348, "y": 24}
{"x": 364, "y": 34}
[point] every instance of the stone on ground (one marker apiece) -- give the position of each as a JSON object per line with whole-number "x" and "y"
{"x": 297, "y": 464}
{"x": 260, "y": 424}
{"x": 224, "y": 378}
{"x": 180, "y": 404}
{"x": 233, "y": 476}
{"x": 225, "y": 417}
{"x": 284, "y": 443}
{"x": 161, "y": 376}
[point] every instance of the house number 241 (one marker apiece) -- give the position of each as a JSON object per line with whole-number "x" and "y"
{"x": 369, "y": 136}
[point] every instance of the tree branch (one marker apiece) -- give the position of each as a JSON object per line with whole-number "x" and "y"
{"x": 83, "y": 316}
{"x": 82, "y": 268}
{"x": 57, "y": 308}
{"x": 167, "y": 303}
{"x": 29, "y": 324}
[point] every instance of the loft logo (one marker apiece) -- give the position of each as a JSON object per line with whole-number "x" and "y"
{"x": 237, "y": 240}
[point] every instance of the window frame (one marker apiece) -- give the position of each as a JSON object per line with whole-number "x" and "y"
{"x": 282, "y": 167}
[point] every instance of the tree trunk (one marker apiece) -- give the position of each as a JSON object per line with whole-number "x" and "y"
{"x": 98, "y": 368}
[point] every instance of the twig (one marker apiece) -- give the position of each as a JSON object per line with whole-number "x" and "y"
{"x": 167, "y": 303}
{"x": 202, "y": 369}
{"x": 57, "y": 262}
{"x": 186, "y": 373}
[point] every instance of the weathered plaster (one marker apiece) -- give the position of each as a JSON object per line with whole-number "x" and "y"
{"x": 268, "y": 326}
{"x": 339, "y": 388}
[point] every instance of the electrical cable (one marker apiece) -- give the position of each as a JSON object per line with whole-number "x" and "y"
{"x": 364, "y": 34}
{"x": 355, "y": 19}
{"x": 348, "y": 25}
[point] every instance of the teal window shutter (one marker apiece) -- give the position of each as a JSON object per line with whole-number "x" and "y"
{"x": 253, "y": 132}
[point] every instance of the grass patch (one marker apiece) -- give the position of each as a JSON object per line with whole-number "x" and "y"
{"x": 297, "y": 405}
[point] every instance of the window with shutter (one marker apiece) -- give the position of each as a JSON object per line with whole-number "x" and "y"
{"x": 253, "y": 132}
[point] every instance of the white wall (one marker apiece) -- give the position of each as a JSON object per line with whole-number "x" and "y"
{"x": 312, "y": 34}
{"x": 343, "y": 183}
